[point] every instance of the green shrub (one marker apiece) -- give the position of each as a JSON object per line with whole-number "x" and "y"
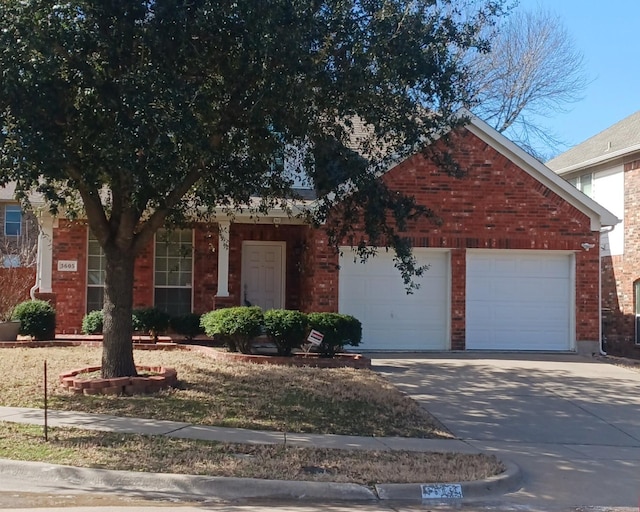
{"x": 187, "y": 325}
{"x": 37, "y": 319}
{"x": 93, "y": 322}
{"x": 212, "y": 322}
{"x": 351, "y": 330}
{"x": 237, "y": 326}
{"x": 153, "y": 321}
{"x": 285, "y": 328}
{"x": 338, "y": 330}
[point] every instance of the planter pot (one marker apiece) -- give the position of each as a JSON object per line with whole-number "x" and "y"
{"x": 9, "y": 331}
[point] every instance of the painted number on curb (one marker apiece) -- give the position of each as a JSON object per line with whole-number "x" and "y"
{"x": 441, "y": 491}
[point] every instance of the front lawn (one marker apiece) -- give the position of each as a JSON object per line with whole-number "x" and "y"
{"x": 266, "y": 397}
{"x": 161, "y": 454}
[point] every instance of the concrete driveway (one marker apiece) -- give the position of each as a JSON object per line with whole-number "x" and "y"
{"x": 571, "y": 423}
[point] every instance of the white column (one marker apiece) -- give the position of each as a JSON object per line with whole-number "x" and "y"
{"x": 45, "y": 256}
{"x": 223, "y": 258}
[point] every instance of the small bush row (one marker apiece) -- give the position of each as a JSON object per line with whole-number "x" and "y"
{"x": 152, "y": 321}
{"x": 287, "y": 329}
{"x": 238, "y": 326}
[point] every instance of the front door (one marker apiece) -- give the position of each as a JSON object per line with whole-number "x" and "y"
{"x": 263, "y": 274}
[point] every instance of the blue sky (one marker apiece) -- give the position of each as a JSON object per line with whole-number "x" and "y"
{"x": 607, "y": 34}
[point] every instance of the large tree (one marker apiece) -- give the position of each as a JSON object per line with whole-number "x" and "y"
{"x": 136, "y": 113}
{"x": 532, "y": 71}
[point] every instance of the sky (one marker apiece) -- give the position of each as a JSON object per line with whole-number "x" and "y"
{"x": 607, "y": 34}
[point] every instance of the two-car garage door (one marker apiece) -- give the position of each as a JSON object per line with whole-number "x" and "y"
{"x": 515, "y": 300}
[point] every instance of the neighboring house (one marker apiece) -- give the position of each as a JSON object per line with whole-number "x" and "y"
{"x": 18, "y": 232}
{"x": 513, "y": 265}
{"x": 606, "y": 167}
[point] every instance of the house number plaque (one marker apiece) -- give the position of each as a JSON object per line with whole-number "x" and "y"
{"x": 67, "y": 265}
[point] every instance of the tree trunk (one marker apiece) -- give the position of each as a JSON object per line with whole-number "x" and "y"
{"x": 117, "y": 349}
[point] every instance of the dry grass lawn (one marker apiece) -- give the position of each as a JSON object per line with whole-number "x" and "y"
{"x": 167, "y": 455}
{"x": 338, "y": 401}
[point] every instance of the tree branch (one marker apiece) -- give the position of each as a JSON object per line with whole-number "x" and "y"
{"x": 158, "y": 217}
{"x": 93, "y": 206}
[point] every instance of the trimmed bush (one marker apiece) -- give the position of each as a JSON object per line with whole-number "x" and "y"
{"x": 93, "y": 322}
{"x": 188, "y": 325}
{"x": 37, "y": 319}
{"x": 338, "y": 329}
{"x": 237, "y": 326}
{"x": 351, "y": 330}
{"x": 285, "y": 328}
{"x": 153, "y": 321}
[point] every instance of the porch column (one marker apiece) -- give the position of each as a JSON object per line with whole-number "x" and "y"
{"x": 223, "y": 258}
{"x": 45, "y": 254}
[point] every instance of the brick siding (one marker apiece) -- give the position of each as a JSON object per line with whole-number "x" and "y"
{"x": 620, "y": 273}
{"x": 496, "y": 205}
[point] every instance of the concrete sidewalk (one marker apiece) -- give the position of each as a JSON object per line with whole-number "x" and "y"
{"x": 125, "y": 425}
{"x": 233, "y": 488}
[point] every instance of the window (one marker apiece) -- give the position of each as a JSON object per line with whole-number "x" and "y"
{"x": 12, "y": 220}
{"x": 173, "y": 271}
{"x": 636, "y": 287}
{"x": 11, "y": 260}
{"x": 584, "y": 184}
{"x": 96, "y": 264}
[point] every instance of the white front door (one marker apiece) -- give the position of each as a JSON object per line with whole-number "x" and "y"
{"x": 263, "y": 265}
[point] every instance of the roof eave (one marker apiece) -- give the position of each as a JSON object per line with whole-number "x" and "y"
{"x": 598, "y": 160}
{"x": 599, "y": 215}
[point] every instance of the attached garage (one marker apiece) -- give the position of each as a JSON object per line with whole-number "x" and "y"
{"x": 519, "y": 300}
{"x": 374, "y": 293}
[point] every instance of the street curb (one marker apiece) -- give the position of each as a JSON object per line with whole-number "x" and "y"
{"x": 505, "y": 482}
{"x": 226, "y": 488}
{"x": 184, "y": 486}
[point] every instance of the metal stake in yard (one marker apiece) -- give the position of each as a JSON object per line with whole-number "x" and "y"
{"x": 46, "y": 416}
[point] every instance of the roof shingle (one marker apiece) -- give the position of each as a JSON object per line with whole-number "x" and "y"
{"x": 620, "y": 136}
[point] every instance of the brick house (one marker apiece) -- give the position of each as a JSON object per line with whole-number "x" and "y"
{"x": 606, "y": 167}
{"x": 513, "y": 265}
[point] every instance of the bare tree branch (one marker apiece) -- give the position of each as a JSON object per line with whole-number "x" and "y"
{"x": 533, "y": 70}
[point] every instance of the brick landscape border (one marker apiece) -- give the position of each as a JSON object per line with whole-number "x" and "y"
{"x": 357, "y": 361}
{"x": 76, "y": 383}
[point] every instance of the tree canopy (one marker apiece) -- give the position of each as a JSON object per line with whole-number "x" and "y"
{"x": 135, "y": 113}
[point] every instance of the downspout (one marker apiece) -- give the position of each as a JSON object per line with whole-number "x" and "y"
{"x": 608, "y": 229}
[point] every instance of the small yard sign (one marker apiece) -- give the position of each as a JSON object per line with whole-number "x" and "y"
{"x": 315, "y": 337}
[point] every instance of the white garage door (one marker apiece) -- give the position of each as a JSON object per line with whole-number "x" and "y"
{"x": 374, "y": 293}
{"x": 518, "y": 301}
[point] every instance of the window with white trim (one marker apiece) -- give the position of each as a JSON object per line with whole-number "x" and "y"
{"x": 96, "y": 265}
{"x": 12, "y": 220}
{"x": 173, "y": 271}
{"x": 584, "y": 184}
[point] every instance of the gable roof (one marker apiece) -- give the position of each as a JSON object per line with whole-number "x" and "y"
{"x": 599, "y": 215}
{"x": 620, "y": 139}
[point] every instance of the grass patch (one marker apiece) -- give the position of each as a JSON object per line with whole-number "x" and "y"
{"x": 230, "y": 394}
{"x": 166, "y": 455}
